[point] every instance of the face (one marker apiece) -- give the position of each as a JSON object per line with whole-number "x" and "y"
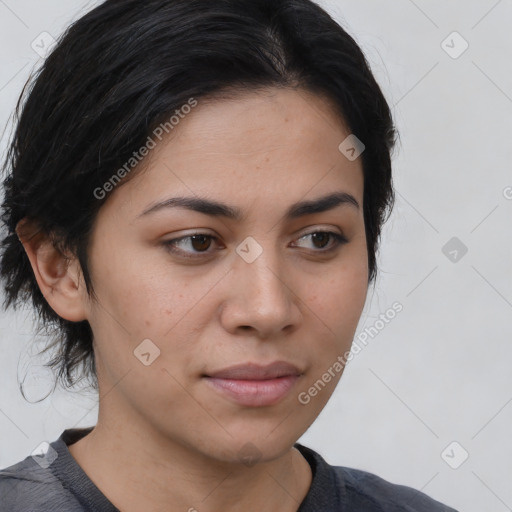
{"x": 275, "y": 274}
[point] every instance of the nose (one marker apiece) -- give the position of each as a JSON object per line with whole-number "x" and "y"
{"x": 260, "y": 297}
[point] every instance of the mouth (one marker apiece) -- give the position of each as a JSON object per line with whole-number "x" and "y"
{"x": 253, "y": 385}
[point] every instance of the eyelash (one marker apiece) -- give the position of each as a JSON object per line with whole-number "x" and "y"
{"x": 170, "y": 244}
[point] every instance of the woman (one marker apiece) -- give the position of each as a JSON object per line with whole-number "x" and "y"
{"x": 194, "y": 200}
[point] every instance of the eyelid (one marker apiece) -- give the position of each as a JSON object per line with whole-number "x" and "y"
{"x": 319, "y": 229}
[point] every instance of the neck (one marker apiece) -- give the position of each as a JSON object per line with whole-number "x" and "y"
{"x": 140, "y": 470}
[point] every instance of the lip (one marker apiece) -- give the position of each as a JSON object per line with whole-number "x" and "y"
{"x": 253, "y": 371}
{"x": 253, "y": 385}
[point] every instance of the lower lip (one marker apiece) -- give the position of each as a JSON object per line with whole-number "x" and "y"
{"x": 254, "y": 393}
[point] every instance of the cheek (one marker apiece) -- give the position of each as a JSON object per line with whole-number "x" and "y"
{"x": 339, "y": 298}
{"x": 152, "y": 305}
{"x": 134, "y": 288}
{"x": 149, "y": 299}
{"x": 339, "y": 309}
{"x": 350, "y": 292}
{"x": 336, "y": 304}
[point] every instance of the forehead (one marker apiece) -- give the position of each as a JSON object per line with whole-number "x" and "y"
{"x": 273, "y": 145}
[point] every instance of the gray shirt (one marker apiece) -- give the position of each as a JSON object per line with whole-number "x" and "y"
{"x": 55, "y": 482}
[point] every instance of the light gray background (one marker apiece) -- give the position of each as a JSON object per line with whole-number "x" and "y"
{"x": 440, "y": 370}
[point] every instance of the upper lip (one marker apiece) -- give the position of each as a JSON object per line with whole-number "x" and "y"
{"x": 253, "y": 371}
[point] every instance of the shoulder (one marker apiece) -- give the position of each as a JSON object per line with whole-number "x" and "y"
{"x": 342, "y": 488}
{"x": 365, "y": 490}
{"x": 29, "y": 487}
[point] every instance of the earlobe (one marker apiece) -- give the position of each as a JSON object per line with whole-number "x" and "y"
{"x": 58, "y": 275}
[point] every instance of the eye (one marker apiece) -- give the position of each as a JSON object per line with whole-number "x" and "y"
{"x": 199, "y": 244}
{"x": 321, "y": 239}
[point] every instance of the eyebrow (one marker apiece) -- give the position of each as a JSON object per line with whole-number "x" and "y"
{"x": 217, "y": 209}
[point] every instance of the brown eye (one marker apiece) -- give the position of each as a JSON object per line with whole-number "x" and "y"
{"x": 322, "y": 239}
{"x": 200, "y": 242}
{"x": 192, "y": 246}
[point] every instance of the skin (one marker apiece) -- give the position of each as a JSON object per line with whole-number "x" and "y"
{"x": 164, "y": 439}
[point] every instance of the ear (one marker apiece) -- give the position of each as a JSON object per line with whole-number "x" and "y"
{"x": 59, "y": 277}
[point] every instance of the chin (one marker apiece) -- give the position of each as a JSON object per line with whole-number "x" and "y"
{"x": 250, "y": 450}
